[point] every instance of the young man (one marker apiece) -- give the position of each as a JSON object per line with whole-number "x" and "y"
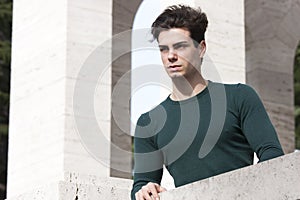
{"x": 203, "y": 128}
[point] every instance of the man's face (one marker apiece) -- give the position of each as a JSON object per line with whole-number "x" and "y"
{"x": 179, "y": 55}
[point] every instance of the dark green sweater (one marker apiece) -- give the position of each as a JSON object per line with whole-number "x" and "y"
{"x": 214, "y": 132}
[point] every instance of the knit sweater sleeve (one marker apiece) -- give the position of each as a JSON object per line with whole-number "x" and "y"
{"x": 148, "y": 160}
{"x": 256, "y": 124}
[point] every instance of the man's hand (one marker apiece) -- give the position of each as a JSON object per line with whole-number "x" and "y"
{"x": 149, "y": 192}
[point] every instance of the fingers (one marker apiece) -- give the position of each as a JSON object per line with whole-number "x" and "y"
{"x": 146, "y": 192}
{"x": 143, "y": 193}
{"x": 154, "y": 189}
{"x": 162, "y": 189}
{"x": 149, "y": 192}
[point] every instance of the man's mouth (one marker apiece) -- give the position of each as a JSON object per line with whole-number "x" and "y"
{"x": 174, "y": 67}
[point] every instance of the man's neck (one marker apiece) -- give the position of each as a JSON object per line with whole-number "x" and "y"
{"x": 184, "y": 89}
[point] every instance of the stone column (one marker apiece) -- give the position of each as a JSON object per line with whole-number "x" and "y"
{"x": 225, "y": 37}
{"x": 37, "y": 104}
{"x": 60, "y": 114}
{"x": 272, "y": 35}
{"x": 121, "y": 157}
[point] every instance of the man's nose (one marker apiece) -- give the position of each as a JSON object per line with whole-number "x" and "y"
{"x": 172, "y": 55}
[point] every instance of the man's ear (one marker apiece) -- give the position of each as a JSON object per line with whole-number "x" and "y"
{"x": 202, "y": 48}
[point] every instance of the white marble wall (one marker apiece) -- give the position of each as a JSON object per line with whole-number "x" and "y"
{"x": 36, "y": 131}
{"x": 51, "y": 42}
{"x": 88, "y": 72}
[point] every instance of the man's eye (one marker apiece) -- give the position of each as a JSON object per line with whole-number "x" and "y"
{"x": 180, "y": 46}
{"x": 163, "y": 49}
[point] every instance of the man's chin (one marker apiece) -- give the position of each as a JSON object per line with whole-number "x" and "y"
{"x": 176, "y": 76}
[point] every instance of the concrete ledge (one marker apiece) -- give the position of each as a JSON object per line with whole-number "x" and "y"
{"x": 278, "y": 178}
{"x": 76, "y": 187}
{"x": 274, "y": 179}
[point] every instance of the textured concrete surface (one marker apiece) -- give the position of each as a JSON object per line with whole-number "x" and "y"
{"x": 274, "y": 179}
{"x": 272, "y": 35}
{"x": 80, "y": 187}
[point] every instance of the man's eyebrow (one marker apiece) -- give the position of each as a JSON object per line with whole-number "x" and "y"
{"x": 181, "y": 42}
{"x": 161, "y": 45}
{"x": 177, "y": 43}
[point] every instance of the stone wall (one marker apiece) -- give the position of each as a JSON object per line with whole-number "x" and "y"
{"x": 272, "y": 35}
{"x": 274, "y": 179}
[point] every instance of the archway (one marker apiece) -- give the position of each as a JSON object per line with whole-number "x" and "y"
{"x": 272, "y": 35}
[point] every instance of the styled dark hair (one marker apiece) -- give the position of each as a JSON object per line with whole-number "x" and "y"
{"x": 181, "y": 16}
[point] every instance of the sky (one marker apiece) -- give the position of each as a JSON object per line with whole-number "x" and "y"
{"x": 150, "y": 84}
